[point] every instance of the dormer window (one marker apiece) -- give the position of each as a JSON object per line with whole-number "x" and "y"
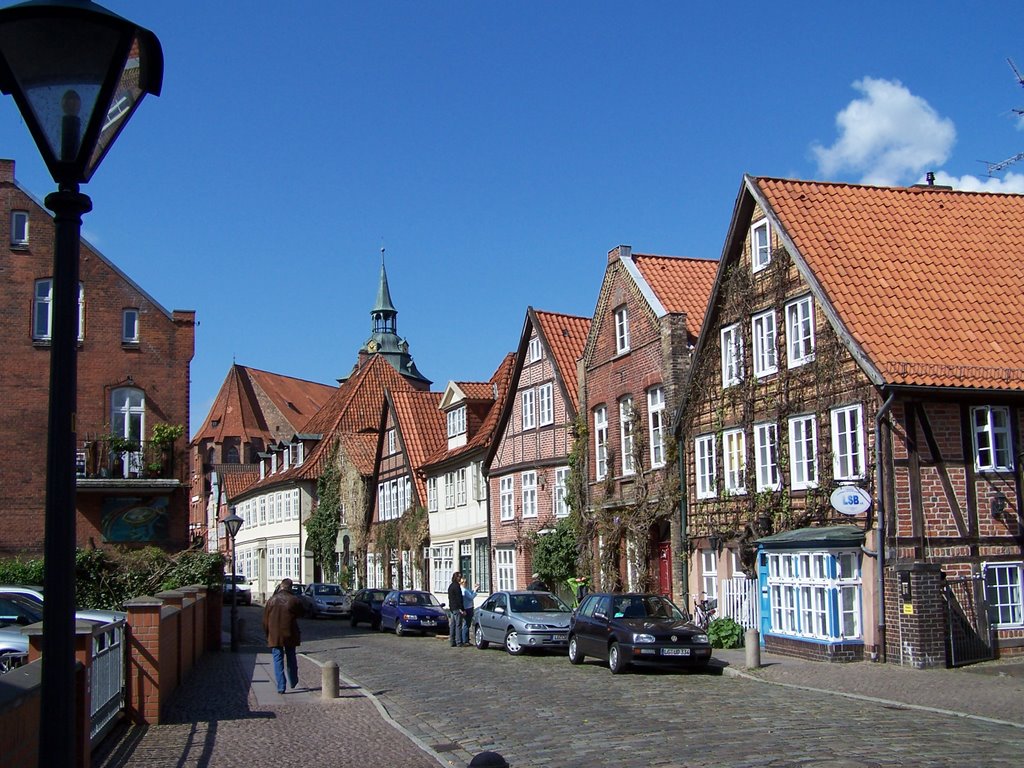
{"x": 457, "y": 421}
{"x": 296, "y": 450}
{"x": 534, "y": 352}
{"x": 273, "y": 463}
{"x": 286, "y": 456}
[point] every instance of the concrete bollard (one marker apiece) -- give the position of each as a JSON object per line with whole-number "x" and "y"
{"x": 752, "y": 644}
{"x": 329, "y": 680}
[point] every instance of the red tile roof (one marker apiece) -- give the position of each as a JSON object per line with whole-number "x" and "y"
{"x": 682, "y": 284}
{"x": 927, "y": 281}
{"x": 566, "y": 336}
{"x": 235, "y": 482}
{"x": 476, "y": 390}
{"x": 422, "y": 427}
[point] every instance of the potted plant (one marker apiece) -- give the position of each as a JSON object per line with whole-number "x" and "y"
{"x": 162, "y": 438}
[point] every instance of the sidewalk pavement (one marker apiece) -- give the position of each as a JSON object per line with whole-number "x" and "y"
{"x": 228, "y": 713}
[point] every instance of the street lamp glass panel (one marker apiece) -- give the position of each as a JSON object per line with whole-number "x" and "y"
{"x": 232, "y": 523}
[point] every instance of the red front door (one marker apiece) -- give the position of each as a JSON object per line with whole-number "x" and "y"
{"x": 665, "y": 568}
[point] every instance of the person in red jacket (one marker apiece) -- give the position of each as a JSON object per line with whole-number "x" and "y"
{"x": 281, "y": 625}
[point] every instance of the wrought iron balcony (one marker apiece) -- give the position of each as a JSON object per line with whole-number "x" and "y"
{"x": 112, "y": 458}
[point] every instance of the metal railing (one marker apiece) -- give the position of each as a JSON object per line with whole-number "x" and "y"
{"x": 100, "y": 458}
{"x": 107, "y": 678}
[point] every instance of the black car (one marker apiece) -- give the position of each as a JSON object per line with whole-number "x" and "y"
{"x": 628, "y": 628}
{"x": 366, "y": 607}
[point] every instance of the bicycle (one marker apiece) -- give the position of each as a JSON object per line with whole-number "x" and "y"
{"x": 704, "y": 611}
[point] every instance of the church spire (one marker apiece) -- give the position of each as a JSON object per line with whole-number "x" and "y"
{"x": 385, "y": 316}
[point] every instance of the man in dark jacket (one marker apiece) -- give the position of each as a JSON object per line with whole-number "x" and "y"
{"x": 281, "y": 625}
{"x": 457, "y": 609}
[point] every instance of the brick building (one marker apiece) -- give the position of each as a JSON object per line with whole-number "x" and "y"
{"x": 852, "y": 432}
{"x": 133, "y": 374}
{"x": 634, "y": 365}
{"x": 528, "y": 462}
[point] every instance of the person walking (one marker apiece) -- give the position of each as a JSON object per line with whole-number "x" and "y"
{"x": 281, "y": 626}
{"x": 538, "y": 584}
{"x": 457, "y": 606}
{"x": 468, "y": 596}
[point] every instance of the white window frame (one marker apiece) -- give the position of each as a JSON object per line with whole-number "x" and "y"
{"x": 760, "y": 245}
{"x": 442, "y": 566}
{"x": 392, "y": 443}
{"x": 460, "y": 487}
{"x": 990, "y": 432}
{"x": 621, "y": 330}
{"x": 559, "y": 503}
{"x": 42, "y": 309}
{"x": 505, "y": 567}
{"x": 601, "y": 442}
{"x": 527, "y": 399}
{"x": 19, "y": 229}
{"x": 763, "y": 336}
{"x": 431, "y": 494}
{"x": 528, "y": 482}
{"x": 656, "y": 425}
{"x": 734, "y": 461}
{"x": 130, "y": 325}
{"x": 546, "y": 403}
{"x": 507, "y": 497}
{"x": 732, "y": 355}
{"x": 800, "y": 331}
{"x": 705, "y": 463}
{"x": 626, "y": 438}
{"x": 848, "y": 453}
{"x": 449, "y": 490}
{"x": 766, "y": 457}
{"x": 709, "y": 574}
{"x": 534, "y": 350}
{"x": 1004, "y": 594}
{"x": 457, "y": 421}
{"x": 803, "y": 452}
{"x": 816, "y": 594}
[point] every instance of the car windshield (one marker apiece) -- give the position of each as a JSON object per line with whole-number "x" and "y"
{"x": 236, "y": 579}
{"x": 418, "y": 598}
{"x": 377, "y": 596}
{"x": 12, "y": 607}
{"x": 538, "y": 602}
{"x": 327, "y": 589}
{"x": 645, "y": 607}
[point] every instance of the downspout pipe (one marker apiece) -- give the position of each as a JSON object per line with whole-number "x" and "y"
{"x": 880, "y": 508}
{"x": 683, "y": 523}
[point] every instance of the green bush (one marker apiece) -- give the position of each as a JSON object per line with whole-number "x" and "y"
{"x": 725, "y": 633}
{"x": 106, "y": 579}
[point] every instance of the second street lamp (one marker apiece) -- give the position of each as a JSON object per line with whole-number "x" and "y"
{"x": 232, "y": 524}
{"x": 77, "y": 73}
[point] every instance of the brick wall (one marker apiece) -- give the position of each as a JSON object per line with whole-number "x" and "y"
{"x": 915, "y": 629}
{"x": 839, "y": 652}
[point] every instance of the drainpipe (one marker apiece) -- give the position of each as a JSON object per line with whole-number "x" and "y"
{"x": 683, "y": 536}
{"x": 880, "y": 507}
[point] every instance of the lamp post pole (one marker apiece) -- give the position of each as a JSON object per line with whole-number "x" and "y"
{"x": 232, "y": 524}
{"x": 77, "y": 73}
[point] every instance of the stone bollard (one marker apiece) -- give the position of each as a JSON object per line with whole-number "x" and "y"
{"x": 329, "y": 680}
{"x": 752, "y": 644}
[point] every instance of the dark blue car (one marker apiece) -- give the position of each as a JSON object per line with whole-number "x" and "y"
{"x": 410, "y": 610}
{"x": 365, "y": 607}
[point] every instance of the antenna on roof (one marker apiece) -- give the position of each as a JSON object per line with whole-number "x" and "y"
{"x": 996, "y": 167}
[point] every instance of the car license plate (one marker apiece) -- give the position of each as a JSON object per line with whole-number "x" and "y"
{"x": 558, "y": 637}
{"x": 675, "y": 651}
{"x": 428, "y": 623}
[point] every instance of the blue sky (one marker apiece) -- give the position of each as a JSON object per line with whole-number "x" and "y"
{"x": 499, "y": 150}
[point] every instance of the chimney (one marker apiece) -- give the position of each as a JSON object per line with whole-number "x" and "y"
{"x": 6, "y": 171}
{"x": 619, "y": 252}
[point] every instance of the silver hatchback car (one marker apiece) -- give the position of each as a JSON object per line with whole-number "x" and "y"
{"x": 522, "y": 621}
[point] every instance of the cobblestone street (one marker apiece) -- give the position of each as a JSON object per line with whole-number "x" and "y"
{"x": 541, "y": 711}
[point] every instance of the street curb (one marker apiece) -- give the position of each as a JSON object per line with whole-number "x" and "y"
{"x": 729, "y": 671}
{"x": 446, "y": 762}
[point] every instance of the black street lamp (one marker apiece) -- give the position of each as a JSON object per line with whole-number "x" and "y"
{"x": 232, "y": 524}
{"x": 77, "y": 73}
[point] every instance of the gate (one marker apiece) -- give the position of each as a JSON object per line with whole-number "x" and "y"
{"x": 970, "y": 636}
{"x": 740, "y": 601}
{"x": 107, "y": 678}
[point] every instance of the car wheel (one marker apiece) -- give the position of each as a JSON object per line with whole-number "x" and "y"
{"x": 375, "y": 624}
{"x": 399, "y": 629}
{"x": 380, "y": 626}
{"x": 575, "y": 655}
{"x": 616, "y": 661}
{"x": 512, "y": 643}
{"x": 478, "y": 637}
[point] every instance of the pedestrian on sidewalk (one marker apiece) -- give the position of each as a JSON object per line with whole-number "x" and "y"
{"x": 468, "y": 596}
{"x": 281, "y": 626}
{"x": 488, "y": 760}
{"x": 538, "y": 584}
{"x": 457, "y": 606}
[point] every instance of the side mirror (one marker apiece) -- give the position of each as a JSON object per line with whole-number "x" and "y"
{"x": 499, "y": 609}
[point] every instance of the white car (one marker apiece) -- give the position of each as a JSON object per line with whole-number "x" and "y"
{"x": 35, "y": 594}
{"x": 240, "y": 586}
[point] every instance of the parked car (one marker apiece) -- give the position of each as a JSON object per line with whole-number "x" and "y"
{"x": 240, "y": 586}
{"x": 410, "y": 610}
{"x": 321, "y": 599}
{"x": 35, "y": 595}
{"x": 16, "y": 611}
{"x": 623, "y": 629}
{"x": 366, "y": 605}
{"x": 521, "y": 621}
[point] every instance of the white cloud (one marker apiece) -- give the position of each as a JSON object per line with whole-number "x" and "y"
{"x": 889, "y": 136}
{"x": 1011, "y": 182}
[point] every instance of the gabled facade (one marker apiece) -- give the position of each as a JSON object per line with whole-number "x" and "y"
{"x": 852, "y": 433}
{"x": 527, "y": 464}
{"x": 633, "y": 368}
{"x": 457, "y": 499}
{"x": 253, "y": 410}
{"x": 133, "y": 374}
{"x": 343, "y": 431}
